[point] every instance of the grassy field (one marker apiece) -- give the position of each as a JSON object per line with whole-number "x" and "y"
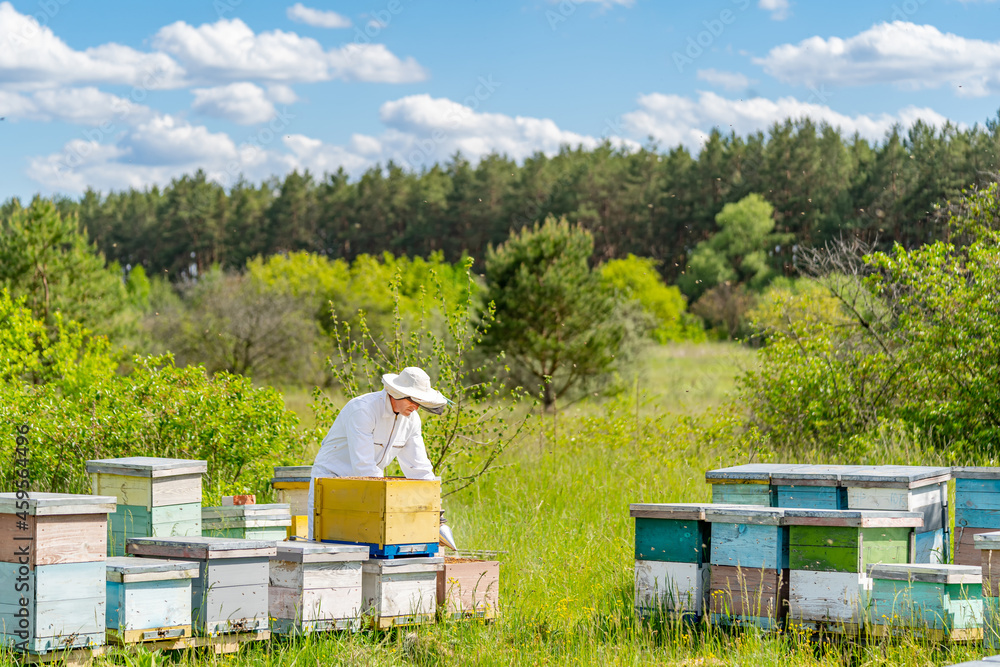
{"x": 558, "y": 512}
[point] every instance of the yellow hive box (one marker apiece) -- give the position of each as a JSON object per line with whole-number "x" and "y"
{"x": 377, "y": 510}
{"x": 299, "y": 527}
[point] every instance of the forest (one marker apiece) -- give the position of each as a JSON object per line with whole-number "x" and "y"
{"x": 655, "y": 202}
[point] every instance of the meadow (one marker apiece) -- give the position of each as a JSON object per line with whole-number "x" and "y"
{"x": 557, "y": 514}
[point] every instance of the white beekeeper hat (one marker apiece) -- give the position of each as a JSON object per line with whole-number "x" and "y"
{"x": 414, "y": 383}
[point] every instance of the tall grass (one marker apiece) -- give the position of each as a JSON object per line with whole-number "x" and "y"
{"x": 558, "y": 512}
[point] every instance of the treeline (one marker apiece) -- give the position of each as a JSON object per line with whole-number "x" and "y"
{"x": 649, "y": 202}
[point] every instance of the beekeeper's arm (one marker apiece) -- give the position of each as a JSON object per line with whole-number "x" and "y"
{"x": 413, "y": 459}
{"x": 361, "y": 444}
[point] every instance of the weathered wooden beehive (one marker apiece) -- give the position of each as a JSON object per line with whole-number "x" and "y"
{"x": 52, "y": 570}
{"x": 988, "y": 548}
{"x": 391, "y": 515}
{"x": 749, "y": 558}
{"x": 922, "y": 489}
{"x": 468, "y": 588}
{"x": 671, "y": 558}
{"x": 149, "y": 599}
{"x": 977, "y": 509}
{"x": 829, "y": 551}
{"x": 291, "y": 485}
{"x": 315, "y": 587}
{"x": 230, "y": 593}
{"x": 748, "y": 484}
{"x": 930, "y": 600}
{"x": 812, "y": 486}
{"x": 247, "y": 522}
{"x": 157, "y": 497}
{"x": 400, "y": 591}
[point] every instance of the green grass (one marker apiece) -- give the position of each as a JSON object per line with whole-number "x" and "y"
{"x": 559, "y": 512}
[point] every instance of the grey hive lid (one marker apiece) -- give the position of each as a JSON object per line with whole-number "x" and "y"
{"x": 199, "y": 547}
{"x": 745, "y": 514}
{"x": 53, "y": 504}
{"x": 933, "y": 573}
{"x": 318, "y": 552}
{"x": 404, "y": 565}
{"x": 976, "y": 472}
{"x": 897, "y": 477}
{"x": 147, "y": 466}
{"x": 126, "y": 565}
{"x": 853, "y": 518}
{"x": 760, "y": 472}
{"x": 675, "y": 511}
{"x": 987, "y": 540}
{"x": 281, "y": 472}
{"x": 813, "y": 475}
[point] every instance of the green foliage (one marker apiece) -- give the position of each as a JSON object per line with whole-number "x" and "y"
{"x": 156, "y": 410}
{"x": 738, "y": 252}
{"x": 232, "y": 323}
{"x": 46, "y": 259}
{"x": 556, "y": 322}
{"x": 910, "y": 347}
{"x": 636, "y": 278}
{"x": 479, "y": 423}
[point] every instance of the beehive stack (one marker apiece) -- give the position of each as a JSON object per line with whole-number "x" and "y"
{"x": 468, "y": 588}
{"x": 247, "y": 522}
{"x": 291, "y": 485}
{"x": 933, "y": 601}
{"x": 230, "y": 593}
{"x": 671, "y": 558}
{"x": 52, "y": 570}
{"x": 315, "y": 587}
{"x": 988, "y": 548}
{"x": 149, "y": 599}
{"x": 922, "y": 489}
{"x": 977, "y": 509}
{"x": 392, "y": 516}
{"x": 156, "y": 497}
{"x": 829, "y": 551}
{"x": 400, "y": 591}
{"x": 749, "y": 559}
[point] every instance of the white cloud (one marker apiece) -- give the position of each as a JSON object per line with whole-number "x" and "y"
{"x": 910, "y": 56}
{"x": 779, "y": 8}
{"x": 727, "y": 80}
{"x": 32, "y": 57}
{"x": 228, "y": 50}
{"x": 243, "y": 103}
{"x": 674, "y": 119}
{"x": 81, "y": 106}
{"x": 316, "y": 17}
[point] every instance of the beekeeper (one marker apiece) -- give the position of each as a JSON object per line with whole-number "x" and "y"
{"x": 374, "y": 429}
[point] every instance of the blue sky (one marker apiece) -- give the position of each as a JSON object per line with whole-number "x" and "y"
{"x": 107, "y": 96}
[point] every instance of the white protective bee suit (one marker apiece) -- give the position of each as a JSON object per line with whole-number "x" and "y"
{"x": 367, "y": 436}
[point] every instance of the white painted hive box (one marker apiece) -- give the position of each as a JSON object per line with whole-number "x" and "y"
{"x": 316, "y": 587}
{"x": 400, "y": 591}
{"x": 230, "y": 593}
